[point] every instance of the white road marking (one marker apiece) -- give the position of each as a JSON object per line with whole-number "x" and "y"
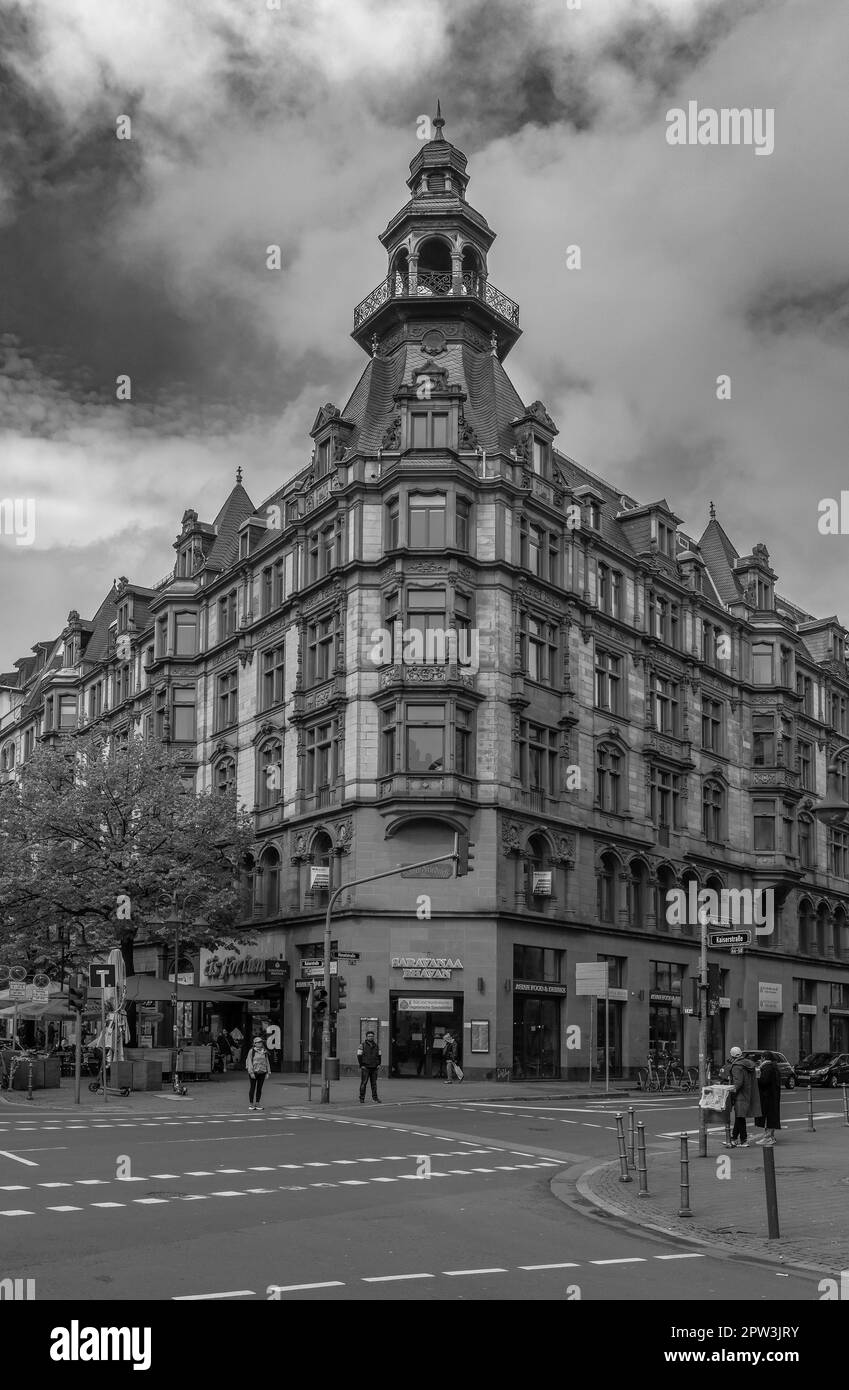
{"x": 197, "y": 1297}
{"x": 394, "y": 1278}
{"x": 293, "y": 1288}
{"x": 454, "y": 1273}
{"x": 629, "y": 1260}
{"x": 17, "y": 1213}
{"x": 64, "y": 1208}
{"x": 565, "y": 1265}
{"x": 16, "y": 1159}
{"x": 692, "y": 1255}
{"x": 150, "y": 1201}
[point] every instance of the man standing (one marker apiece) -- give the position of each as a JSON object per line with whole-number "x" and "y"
{"x": 746, "y": 1097}
{"x": 368, "y": 1056}
{"x": 449, "y": 1052}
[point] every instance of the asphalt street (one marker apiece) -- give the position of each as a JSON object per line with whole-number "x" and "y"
{"x": 441, "y": 1200}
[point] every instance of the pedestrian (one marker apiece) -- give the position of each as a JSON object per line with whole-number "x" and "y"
{"x": 368, "y": 1056}
{"x": 257, "y": 1064}
{"x": 449, "y": 1052}
{"x": 769, "y": 1087}
{"x": 747, "y": 1100}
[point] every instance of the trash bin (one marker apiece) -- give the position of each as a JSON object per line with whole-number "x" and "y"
{"x": 331, "y": 1069}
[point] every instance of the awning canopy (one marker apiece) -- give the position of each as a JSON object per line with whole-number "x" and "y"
{"x": 149, "y": 987}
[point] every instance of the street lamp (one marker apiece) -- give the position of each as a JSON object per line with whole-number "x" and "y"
{"x": 833, "y": 810}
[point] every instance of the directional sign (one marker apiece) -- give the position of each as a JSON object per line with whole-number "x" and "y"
{"x": 725, "y": 938}
{"x": 349, "y": 955}
{"x": 101, "y": 977}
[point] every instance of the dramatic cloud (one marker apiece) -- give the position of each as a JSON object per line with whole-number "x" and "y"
{"x": 253, "y": 126}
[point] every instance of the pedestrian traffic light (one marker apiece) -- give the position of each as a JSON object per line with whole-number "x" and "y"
{"x": 319, "y": 1001}
{"x": 465, "y": 852}
{"x": 76, "y": 993}
{"x": 338, "y": 990}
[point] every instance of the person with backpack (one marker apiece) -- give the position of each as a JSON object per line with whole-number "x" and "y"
{"x": 257, "y": 1068}
{"x": 449, "y": 1053}
{"x": 368, "y": 1056}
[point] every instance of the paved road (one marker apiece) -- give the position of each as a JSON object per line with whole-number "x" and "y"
{"x": 337, "y": 1205}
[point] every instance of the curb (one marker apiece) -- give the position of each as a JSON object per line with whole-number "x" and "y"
{"x": 715, "y": 1244}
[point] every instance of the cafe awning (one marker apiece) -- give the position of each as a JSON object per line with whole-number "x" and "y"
{"x": 149, "y": 987}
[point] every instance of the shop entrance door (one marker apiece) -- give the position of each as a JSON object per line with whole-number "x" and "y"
{"x": 416, "y": 1032}
{"x": 536, "y": 1034}
{"x": 769, "y": 1027}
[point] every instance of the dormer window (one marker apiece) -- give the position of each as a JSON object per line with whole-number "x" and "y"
{"x": 322, "y": 458}
{"x": 540, "y": 456}
{"x": 428, "y": 429}
{"x": 763, "y": 592}
{"x": 665, "y": 539}
{"x": 244, "y": 544}
{"x": 594, "y": 516}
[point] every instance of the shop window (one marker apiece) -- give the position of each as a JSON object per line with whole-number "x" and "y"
{"x": 539, "y": 964}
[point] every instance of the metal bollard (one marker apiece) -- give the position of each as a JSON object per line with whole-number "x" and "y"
{"x": 771, "y": 1194}
{"x": 811, "y": 1129}
{"x": 845, "y": 1104}
{"x": 642, "y": 1168}
{"x": 703, "y": 1152}
{"x": 624, "y": 1175}
{"x": 29, "y": 1080}
{"x": 685, "y": 1179}
{"x": 632, "y": 1136}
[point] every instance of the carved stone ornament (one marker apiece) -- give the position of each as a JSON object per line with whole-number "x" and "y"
{"x": 511, "y": 838}
{"x": 392, "y": 435}
{"x": 539, "y": 412}
{"x": 468, "y": 436}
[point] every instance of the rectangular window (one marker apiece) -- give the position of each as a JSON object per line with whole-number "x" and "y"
{"x": 838, "y": 853}
{"x": 267, "y": 590}
{"x": 425, "y": 731}
{"x": 608, "y": 681}
{"x": 539, "y": 654}
{"x": 272, "y": 677}
{"x": 321, "y": 635}
{"x": 665, "y": 539}
{"x": 664, "y": 799}
{"x": 806, "y": 765}
{"x": 439, "y": 430}
{"x": 418, "y": 429}
{"x": 227, "y": 700}
{"x": 806, "y": 843}
{"x": 160, "y": 706}
{"x": 805, "y": 688}
{"x": 183, "y": 714}
{"x": 463, "y": 743}
{"x": 540, "y": 456}
{"x": 161, "y": 636}
{"x": 712, "y": 725}
{"x": 426, "y": 617}
{"x": 387, "y": 742}
{"x": 786, "y": 665}
{"x": 185, "y": 629}
{"x": 463, "y": 514}
{"x": 321, "y": 756}
{"x": 537, "y": 963}
{"x": 764, "y": 815}
{"x": 279, "y": 582}
{"x": 67, "y": 712}
{"x": 763, "y": 740}
{"x": 426, "y": 530}
{"x": 392, "y": 534}
{"x": 610, "y": 591}
{"x": 665, "y": 705}
{"x": 762, "y": 663}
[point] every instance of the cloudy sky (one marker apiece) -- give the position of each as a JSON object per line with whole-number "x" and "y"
{"x": 254, "y": 125}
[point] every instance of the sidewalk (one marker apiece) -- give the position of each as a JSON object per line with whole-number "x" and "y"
{"x": 230, "y": 1092}
{"x": 812, "y": 1176}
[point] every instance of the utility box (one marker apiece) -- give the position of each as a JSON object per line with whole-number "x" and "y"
{"x": 147, "y": 1076}
{"x": 331, "y": 1069}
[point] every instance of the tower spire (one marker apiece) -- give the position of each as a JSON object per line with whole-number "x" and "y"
{"x": 438, "y": 122}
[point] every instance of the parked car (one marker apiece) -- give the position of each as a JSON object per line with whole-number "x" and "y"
{"x": 786, "y": 1069}
{"x": 824, "y": 1069}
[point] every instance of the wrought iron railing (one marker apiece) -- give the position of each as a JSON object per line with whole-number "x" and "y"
{"x": 437, "y": 283}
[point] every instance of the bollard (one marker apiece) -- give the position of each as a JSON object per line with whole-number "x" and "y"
{"x": 771, "y": 1194}
{"x": 703, "y": 1153}
{"x": 811, "y": 1129}
{"x": 624, "y": 1175}
{"x": 642, "y": 1169}
{"x": 29, "y": 1080}
{"x": 685, "y": 1179}
{"x": 632, "y": 1136}
{"x": 845, "y": 1104}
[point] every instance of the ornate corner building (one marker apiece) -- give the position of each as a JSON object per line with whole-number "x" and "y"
{"x": 442, "y": 622}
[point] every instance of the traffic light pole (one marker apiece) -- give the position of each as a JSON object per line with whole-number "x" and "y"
{"x": 336, "y": 894}
{"x": 703, "y": 1027}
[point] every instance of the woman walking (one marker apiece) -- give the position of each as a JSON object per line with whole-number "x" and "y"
{"x": 769, "y": 1087}
{"x": 747, "y": 1099}
{"x": 257, "y": 1065}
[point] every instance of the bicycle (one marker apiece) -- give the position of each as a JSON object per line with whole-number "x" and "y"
{"x": 649, "y": 1079}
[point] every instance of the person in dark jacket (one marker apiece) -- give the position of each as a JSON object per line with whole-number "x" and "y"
{"x": 747, "y": 1099}
{"x": 769, "y": 1088}
{"x": 368, "y": 1056}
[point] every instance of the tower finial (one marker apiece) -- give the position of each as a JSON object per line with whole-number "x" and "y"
{"x": 438, "y": 122}
{"x": 712, "y": 512}
{"x": 239, "y": 476}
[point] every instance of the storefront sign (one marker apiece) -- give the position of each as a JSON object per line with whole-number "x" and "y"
{"x": 655, "y": 997}
{"x": 426, "y": 967}
{"x": 277, "y": 970}
{"x": 769, "y": 998}
{"x": 724, "y": 1003}
{"x": 534, "y": 987}
{"x": 433, "y": 1006}
{"x": 810, "y": 1009}
{"x": 217, "y": 967}
{"x": 618, "y": 996}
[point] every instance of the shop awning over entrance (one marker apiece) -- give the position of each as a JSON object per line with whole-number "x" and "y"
{"x": 148, "y": 987}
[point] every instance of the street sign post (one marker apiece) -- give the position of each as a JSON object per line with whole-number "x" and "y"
{"x": 101, "y": 977}
{"x": 724, "y": 938}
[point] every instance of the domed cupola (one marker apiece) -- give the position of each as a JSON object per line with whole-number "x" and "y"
{"x": 437, "y": 247}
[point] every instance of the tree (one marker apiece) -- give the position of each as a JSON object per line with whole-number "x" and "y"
{"x": 109, "y": 841}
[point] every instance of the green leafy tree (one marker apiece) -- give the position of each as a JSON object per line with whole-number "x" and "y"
{"x": 109, "y": 842}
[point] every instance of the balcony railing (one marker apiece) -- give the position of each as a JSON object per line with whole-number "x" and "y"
{"x": 437, "y": 283}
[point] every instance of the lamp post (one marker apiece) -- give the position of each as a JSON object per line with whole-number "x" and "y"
{"x": 171, "y": 900}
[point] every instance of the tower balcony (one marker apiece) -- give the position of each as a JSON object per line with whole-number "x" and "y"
{"x": 430, "y": 284}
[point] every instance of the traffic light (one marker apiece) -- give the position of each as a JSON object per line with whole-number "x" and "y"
{"x": 76, "y": 993}
{"x": 465, "y": 854}
{"x": 319, "y": 1002}
{"x": 338, "y": 991}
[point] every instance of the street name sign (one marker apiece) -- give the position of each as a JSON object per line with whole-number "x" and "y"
{"x": 726, "y": 938}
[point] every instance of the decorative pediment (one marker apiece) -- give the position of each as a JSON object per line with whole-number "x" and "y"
{"x": 325, "y": 415}
{"x": 266, "y": 730}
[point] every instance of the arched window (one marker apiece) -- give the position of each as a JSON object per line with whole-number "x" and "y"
{"x": 609, "y": 769}
{"x": 665, "y": 885}
{"x": 537, "y": 863}
{"x": 822, "y": 928}
{"x": 638, "y": 893}
{"x": 267, "y": 882}
{"x": 472, "y": 272}
{"x": 400, "y": 277}
{"x": 606, "y": 883}
{"x": 806, "y": 927}
{"x": 322, "y": 858}
{"x": 225, "y": 776}
{"x": 434, "y": 275}
{"x": 713, "y": 810}
{"x": 839, "y": 938}
{"x": 270, "y": 773}
{"x": 688, "y": 927}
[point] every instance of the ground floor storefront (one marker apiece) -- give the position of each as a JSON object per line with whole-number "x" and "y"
{"x": 514, "y": 998}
